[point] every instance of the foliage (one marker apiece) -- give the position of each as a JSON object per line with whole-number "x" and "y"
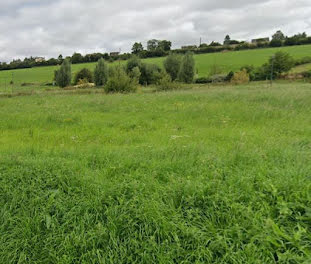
{"x": 229, "y": 76}
{"x": 154, "y": 44}
{"x": 279, "y": 63}
{"x": 227, "y": 40}
{"x": 202, "y": 80}
{"x": 187, "y": 68}
{"x": 137, "y": 48}
{"x": 240, "y": 77}
{"x": 101, "y": 73}
{"x": 276, "y": 43}
{"x": 62, "y": 76}
{"x": 135, "y": 74}
{"x": 150, "y": 73}
{"x": 132, "y": 63}
{"x": 279, "y": 36}
{"x": 218, "y": 78}
{"x": 120, "y": 82}
{"x": 83, "y": 74}
{"x": 172, "y": 65}
{"x": 165, "y": 83}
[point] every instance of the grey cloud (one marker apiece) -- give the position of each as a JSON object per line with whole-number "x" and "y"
{"x": 48, "y": 28}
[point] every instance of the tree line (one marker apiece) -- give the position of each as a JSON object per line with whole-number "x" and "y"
{"x": 161, "y": 48}
{"x": 126, "y": 78}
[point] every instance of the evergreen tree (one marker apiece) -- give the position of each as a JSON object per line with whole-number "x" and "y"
{"x": 187, "y": 69}
{"x": 101, "y": 73}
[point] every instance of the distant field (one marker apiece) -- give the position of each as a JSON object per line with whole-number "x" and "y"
{"x": 208, "y": 175}
{"x": 226, "y": 61}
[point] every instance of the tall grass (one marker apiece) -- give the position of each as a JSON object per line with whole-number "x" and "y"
{"x": 218, "y": 175}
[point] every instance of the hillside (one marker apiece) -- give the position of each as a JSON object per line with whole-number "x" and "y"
{"x": 226, "y": 61}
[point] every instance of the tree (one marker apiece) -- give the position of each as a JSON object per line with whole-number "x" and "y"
{"x": 165, "y": 45}
{"x": 101, "y": 73}
{"x": 279, "y": 63}
{"x": 152, "y": 44}
{"x": 76, "y": 58}
{"x": 137, "y": 48}
{"x": 62, "y": 76}
{"x": 172, "y": 65}
{"x": 133, "y": 62}
{"x": 83, "y": 74}
{"x": 279, "y": 36}
{"x": 227, "y": 40}
{"x": 60, "y": 58}
{"x": 187, "y": 68}
{"x": 120, "y": 82}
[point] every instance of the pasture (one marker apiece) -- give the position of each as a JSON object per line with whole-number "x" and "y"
{"x": 212, "y": 174}
{"x": 226, "y": 62}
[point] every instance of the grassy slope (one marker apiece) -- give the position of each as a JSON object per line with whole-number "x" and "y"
{"x": 218, "y": 175}
{"x": 227, "y": 61}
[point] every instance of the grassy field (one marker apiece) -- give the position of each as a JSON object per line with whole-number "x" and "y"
{"x": 207, "y": 175}
{"x": 226, "y": 61}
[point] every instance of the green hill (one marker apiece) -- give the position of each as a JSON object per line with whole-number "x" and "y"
{"x": 226, "y": 61}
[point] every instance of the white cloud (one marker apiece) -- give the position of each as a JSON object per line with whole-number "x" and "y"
{"x": 48, "y": 28}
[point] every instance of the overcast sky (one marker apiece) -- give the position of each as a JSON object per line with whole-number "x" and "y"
{"x": 52, "y": 27}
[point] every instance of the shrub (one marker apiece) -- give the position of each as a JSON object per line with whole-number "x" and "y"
{"x": 306, "y": 74}
{"x": 276, "y": 43}
{"x": 62, "y": 76}
{"x": 303, "y": 60}
{"x": 135, "y": 74}
{"x": 101, "y": 73}
{"x": 218, "y": 78}
{"x": 172, "y": 65}
{"x": 133, "y": 62}
{"x": 229, "y": 76}
{"x": 203, "y": 80}
{"x": 150, "y": 74}
{"x": 279, "y": 63}
{"x": 83, "y": 74}
{"x": 120, "y": 82}
{"x": 240, "y": 77}
{"x": 165, "y": 83}
{"x": 187, "y": 68}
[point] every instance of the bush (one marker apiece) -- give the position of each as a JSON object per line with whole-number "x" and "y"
{"x": 133, "y": 62}
{"x": 203, "y": 80}
{"x": 150, "y": 74}
{"x": 187, "y": 68}
{"x": 62, "y": 76}
{"x": 240, "y": 77}
{"x": 135, "y": 74}
{"x": 165, "y": 83}
{"x": 276, "y": 43}
{"x": 279, "y": 63}
{"x": 218, "y": 78}
{"x": 306, "y": 74}
{"x": 229, "y": 76}
{"x": 120, "y": 82}
{"x": 83, "y": 74}
{"x": 101, "y": 73}
{"x": 303, "y": 60}
{"x": 172, "y": 65}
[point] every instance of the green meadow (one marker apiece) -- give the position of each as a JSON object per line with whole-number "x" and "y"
{"x": 211, "y": 174}
{"x": 226, "y": 61}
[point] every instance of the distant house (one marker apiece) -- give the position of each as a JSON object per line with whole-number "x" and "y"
{"x": 114, "y": 54}
{"x": 39, "y": 59}
{"x": 191, "y": 47}
{"x": 260, "y": 40}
